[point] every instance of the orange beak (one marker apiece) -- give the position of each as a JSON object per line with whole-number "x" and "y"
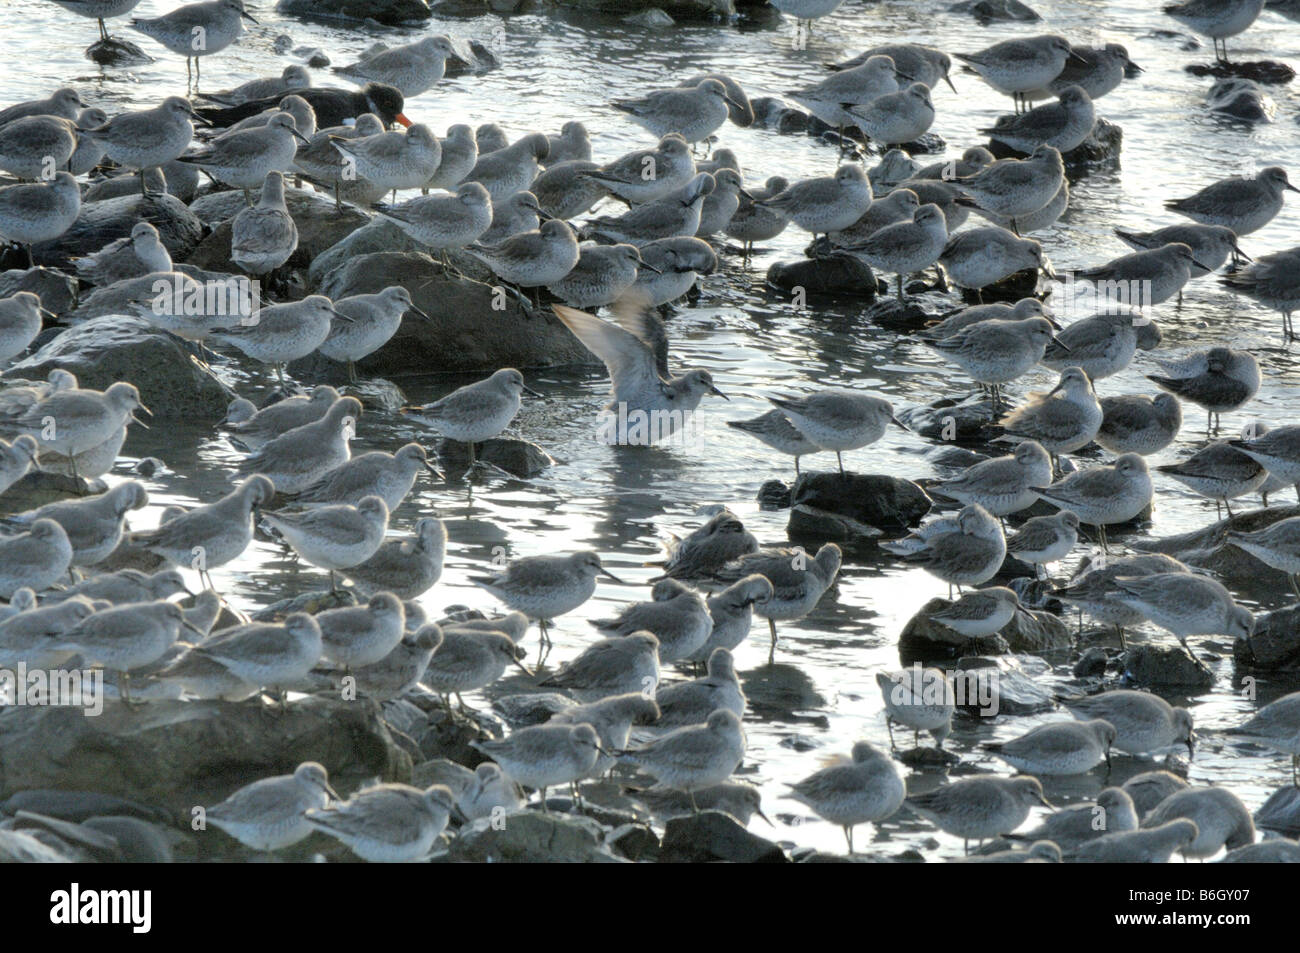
{"x": 403, "y": 120}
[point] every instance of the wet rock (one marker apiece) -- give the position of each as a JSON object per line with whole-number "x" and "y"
{"x": 1158, "y": 666}
{"x": 138, "y": 841}
{"x": 636, "y": 842}
{"x": 519, "y": 458}
{"x": 839, "y": 273}
{"x": 951, "y": 419}
{"x": 378, "y": 235}
{"x": 376, "y": 394}
{"x": 466, "y": 334}
{"x": 995, "y": 11}
{"x": 39, "y": 487}
{"x": 387, "y": 12}
{"x": 652, "y": 19}
{"x": 928, "y": 144}
{"x": 84, "y": 844}
{"x": 1091, "y": 664}
{"x": 906, "y": 316}
{"x": 179, "y": 754}
{"x": 470, "y": 56}
{"x": 1275, "y": 644}
{"x": 923, "y": 639}
{"x": 1240, "y": 99}
{"x": 113, "y": 348}
{"x": 182, "y": 179}
{"x": 1027, "y": 633}
{"x": 999, "y": 687}
{"x": 446, "y": 735}
{"x": 1281, "y": 812}
{"x": 679, "y": 9}
{"x": 101, "y": 223}
{"x": 117, "y": 52}
{"x": 320, "y": 226}
{"x": 1023, "y": 284}
{"x": 57, "y": 291}
{"x": 773, "y": 495}
{"x": 958, "y": 458}
{"x": 1268, "y": 72}
{"x": 923, "y": 758}
{"x": 713, "y": 836}
{"x": 772, "y": 113}
{"x": 1209, "y": 548}
{"x": 855, "y": 505}
{"x": 1102, "y": 148}
{"x": 78, "y": 806}
{"x": 526, "y": 837}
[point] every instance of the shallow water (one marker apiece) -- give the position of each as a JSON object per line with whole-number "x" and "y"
{"x": 821, "y": 695}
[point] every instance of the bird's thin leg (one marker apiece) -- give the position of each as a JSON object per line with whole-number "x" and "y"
{"x": 771, "y": 652}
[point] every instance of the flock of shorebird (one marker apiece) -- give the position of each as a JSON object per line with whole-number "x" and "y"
{"x": 508, "y": 205}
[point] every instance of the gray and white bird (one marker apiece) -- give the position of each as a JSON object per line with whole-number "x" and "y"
{"x": 1242, "y": 204}
{"x": 218, "y": 22}
{"x": 370, "y": 321}
{"x": 867, "y": 789}
{"x": 654, "y": 403}
{"x": 695, "y": 113}
{"x": 838, "y": 419}
{"x": 476, "y": 412}
{"x": 265, "y": 236}
{"x": 1105, "y": 495}
{"x": 1218, "y": 379}
{"x": 334, "y": 537}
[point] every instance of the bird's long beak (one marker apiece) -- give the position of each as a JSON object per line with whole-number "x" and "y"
{"x": 418, "y": 313}
{"x": 1061, "y": 344}
{"x": 897, "y": 423}
{"x": 649, "y": 267}
{"x": 1074, "y": 55}
{"x": 609, "y": 575}
{"x": 1048, "y": 272}
{"x": 432, "y": 468}
{"x": 402, "y": 119}
{"x": 1237, "y": 249}
{"x": 145, "y": 409}
{"x": 947, "y": 79}
{"x": 199, "y": 119}
{"x": 300, "y": 137}
{"x": 187, "y": 624}
{"x": 1130, "y": 65}
{"x": 1046, "y": 803}
{"x": 745, "y": 194}
{"x": 1204, "y": 266}
{"x": 765, "y": 818}
{"x": 343, "y": 317}
{"x": 733, "y": 104}
{"x": 524, "y": 668}
{"x": 714, "y": 390}
{"x": 1191, "y": 746}
{"x": 329, "y": 789}
{"x": 248, "y": 16}
{"x": 529, "y": 390}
